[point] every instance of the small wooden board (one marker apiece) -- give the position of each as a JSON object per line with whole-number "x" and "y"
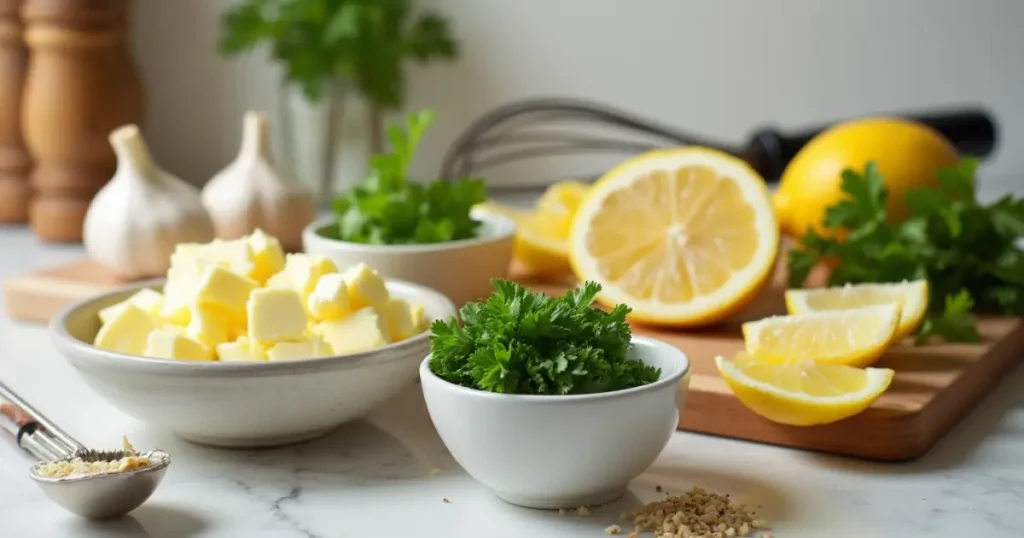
{"x": 935, "y": 385}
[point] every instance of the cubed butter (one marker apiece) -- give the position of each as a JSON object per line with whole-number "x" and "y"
{"x": 180, "y": 290}
{"x": 365, "y": 287}
{"x": 329, "y": 299}
{"x": 174, "y": 327}
{"x": 401, "y": 324}
{"x": 146, "y": 299}
{"x": 279, "y": 280}
{"x": 235, "y": 255}
{"x": 209, "y": 326}
{"x": 268, "y": 255}
{"x": 242, "y": 349}
{"x": 126, "y": 332}
{"x": 310, "y": 348}
{"x": 226, "y": 290}
{"x": 304, "y": 270}
{"x": 164, "y": 344}
{"x": 360, "y": 331}
{"x": 419, "y": 316}
{"x": 276, "y": 315}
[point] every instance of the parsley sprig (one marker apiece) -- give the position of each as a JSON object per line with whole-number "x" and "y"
{"x": 967, "y": 250}
{"x": 520, "y": 342}
{"x": 389, "y": 209}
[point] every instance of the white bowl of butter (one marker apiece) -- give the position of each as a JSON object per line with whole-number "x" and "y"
{"x": 236, "y": 355}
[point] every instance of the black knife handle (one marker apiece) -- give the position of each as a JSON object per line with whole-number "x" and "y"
{"x": 971, "y": 131}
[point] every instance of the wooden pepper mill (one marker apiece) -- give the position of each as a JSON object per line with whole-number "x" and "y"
{"x": 15, "y": 163}
{"x": 81, "y": 85}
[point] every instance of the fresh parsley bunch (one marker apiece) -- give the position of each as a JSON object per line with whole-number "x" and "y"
{"x": 968, "y": 251}
{"x": 519, "y": 342}
{"x": 388, "y": 209}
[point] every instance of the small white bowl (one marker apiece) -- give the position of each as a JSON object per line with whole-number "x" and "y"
{"x": 244, "y": 404}
{"x": 462, "y": 270}
{"x": 561, "y": 451}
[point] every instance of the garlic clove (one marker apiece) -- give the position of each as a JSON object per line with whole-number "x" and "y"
{"x": 135, "y": 221}
{"x": 252, "y": 193}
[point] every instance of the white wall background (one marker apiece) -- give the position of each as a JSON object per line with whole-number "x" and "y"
{"x": 718, "y": 68}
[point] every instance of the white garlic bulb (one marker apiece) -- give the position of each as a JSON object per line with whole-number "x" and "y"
{"x": 251, "y": 193}
{"x": 137, "y": 218}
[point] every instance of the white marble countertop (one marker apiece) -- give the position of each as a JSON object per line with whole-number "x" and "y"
{"x": 379, "y": 477}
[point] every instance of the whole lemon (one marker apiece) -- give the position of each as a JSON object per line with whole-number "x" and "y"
{"x": 908, "y": 155}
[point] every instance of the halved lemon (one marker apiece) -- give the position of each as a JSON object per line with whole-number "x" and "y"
{"x": 912, "y": 297}
{"x": 685, "y": 236}
{"x": 856, "y": 337}
{"x": 805, "y": 394}
{"x": 542, "y": 234}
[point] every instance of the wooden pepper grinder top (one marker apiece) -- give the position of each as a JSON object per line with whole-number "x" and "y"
{"x": 81, "y": 85}
{"x": 15, "y": 163}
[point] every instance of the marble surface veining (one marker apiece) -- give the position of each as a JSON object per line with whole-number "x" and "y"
{"x": 389, "y": 475}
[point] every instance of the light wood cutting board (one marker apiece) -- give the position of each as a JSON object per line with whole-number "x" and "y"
{"x": 935, "y": 385}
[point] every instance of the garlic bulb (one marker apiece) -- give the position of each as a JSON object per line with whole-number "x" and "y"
{"x": 250, "y": 193}
{"x": 137, "y": 218}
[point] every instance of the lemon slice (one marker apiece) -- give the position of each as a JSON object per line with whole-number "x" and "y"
{"x": 685, "y": 236}
{"x": 542, "y": 234}
{"x": 856, "y": 337}
{"x": 912, "y": 297}
{"x": 805, "y": 394}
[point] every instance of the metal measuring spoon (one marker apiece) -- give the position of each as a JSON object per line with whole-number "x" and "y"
{"x": 93, "y": 496}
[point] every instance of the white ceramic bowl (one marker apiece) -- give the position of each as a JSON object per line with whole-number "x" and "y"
{"x": 244, "y": 404}
{"x": 462, "y": 270}
{"x": 561, "y": 451}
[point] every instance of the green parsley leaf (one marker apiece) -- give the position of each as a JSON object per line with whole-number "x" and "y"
{"x": 389, "y": 209}
{"x": 520, "y": 342}
{"x": 968, "y": 251}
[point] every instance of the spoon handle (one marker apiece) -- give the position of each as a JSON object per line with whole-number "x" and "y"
{"x": 33, "y": 431}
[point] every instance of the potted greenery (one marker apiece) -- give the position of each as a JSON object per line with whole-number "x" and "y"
{"x": 422, "y": 231}
{"x": 344, "y": 65}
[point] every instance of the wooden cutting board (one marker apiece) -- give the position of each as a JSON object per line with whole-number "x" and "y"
{"x": 935, "y": 385}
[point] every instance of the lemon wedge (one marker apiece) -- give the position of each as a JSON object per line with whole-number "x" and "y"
{"x": 912, "y": 297}
{"x": 683, "y": 236}
{"x": 856, "y": 337}
{"x": 805, "y": 394}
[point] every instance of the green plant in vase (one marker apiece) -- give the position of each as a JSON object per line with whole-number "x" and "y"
{"x": 329, "y": 48}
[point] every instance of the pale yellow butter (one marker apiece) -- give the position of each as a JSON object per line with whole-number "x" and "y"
{"x": 304, "y": 271}
{"x": 418, "y": 314}
{"x": 329, "y": 299}
{"x": 226, "y": 290}
{"x": 269, "y": 255}
{"x": 235, "y": 255}
{"x": 209, "y": 326}
{"x": 360, "y": 331}
{"x": 309, "y": 348}
{"x": 146, "y": 299}
{"x": 401, "y": 324}
{"x": 276, "y": 315}
{"x": 241, "y": 349}
{"x": 165, "y": 344}
{"x": 280, "y": 280}
{"x": 180, "y": 290}
{"x": 127, "y": 330}
{"x": 365, "y": 287}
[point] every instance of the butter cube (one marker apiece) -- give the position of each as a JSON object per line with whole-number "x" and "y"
{"x": 236, "y": 255}
{"x": 329, "y": 299}
{"x": 401, "y": 323}
{"x": 164, "y": 344}
{"x": 276, "y": 315}
{"x": 146, "y": 299}
{"x": 279, "y": 280}
{"x": 365, "y": 287}
{"x": 310, "y": 348}
{"x": 174, "y": 327}
{"x": 418, "y": 314}
{"x": 304, "y": 270}
{"x": 180, "y": 290}
{"x": 208, "y": 326}
{"x": 268, "y": 255}
{"x": 360, "y": 331}
{"x": 242, "y": 349}
{"x": 126, "y": 332}
{"x": 224, "y": 289}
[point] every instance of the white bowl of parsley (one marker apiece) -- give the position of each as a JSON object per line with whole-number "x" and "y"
{"x": 549, "y": 402}
{"x": 427, "y": 233}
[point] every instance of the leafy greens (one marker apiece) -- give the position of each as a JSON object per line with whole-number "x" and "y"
{"x": 389, "y": 209}
{"x": 967, "y": 250}
{"x": 520, "y": 342}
